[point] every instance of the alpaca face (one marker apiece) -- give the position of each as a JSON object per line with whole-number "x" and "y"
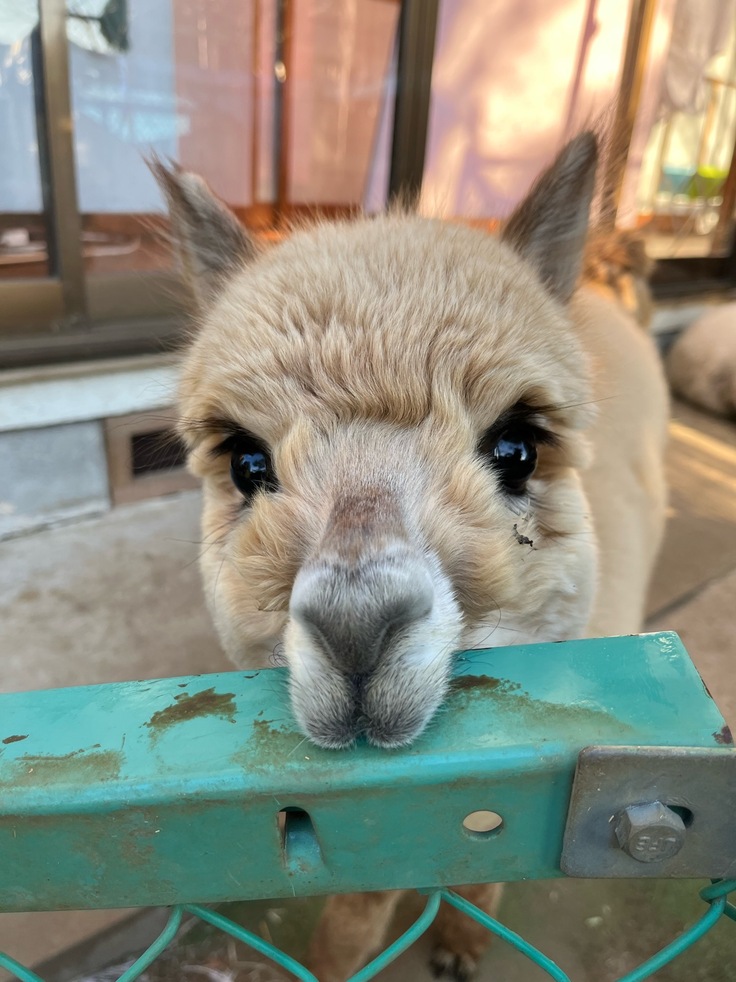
{"x": 388, "y": 417}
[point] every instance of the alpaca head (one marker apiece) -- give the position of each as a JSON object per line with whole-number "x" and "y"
{"x": 388, "y": 417}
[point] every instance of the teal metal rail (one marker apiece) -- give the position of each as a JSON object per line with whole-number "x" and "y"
{"x": 200, "y": 790}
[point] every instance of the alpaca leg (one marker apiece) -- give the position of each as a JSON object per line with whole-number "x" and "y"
{"x": 460, "y": 942}
{"x": 351, "y": 929}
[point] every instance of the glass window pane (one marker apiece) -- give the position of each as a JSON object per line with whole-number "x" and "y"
{"x": 121, "y": 67}
{"x": 508, "y": 91}
{"x": 216, "y": 57}
{"x": 683, "y": 141}
{"x": 276, "y": 103}
{"x": 339, "y": 68}
{"x": 23, "y": 226}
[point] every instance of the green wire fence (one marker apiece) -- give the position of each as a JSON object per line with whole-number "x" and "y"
{"x": 715, "y": 896}
{"x": 142, "y": 794}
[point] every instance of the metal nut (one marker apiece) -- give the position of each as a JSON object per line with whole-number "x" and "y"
{"x": 650, "y": 832}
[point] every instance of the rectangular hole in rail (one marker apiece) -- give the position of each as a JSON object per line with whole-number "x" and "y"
{"x": 299, "y": 843}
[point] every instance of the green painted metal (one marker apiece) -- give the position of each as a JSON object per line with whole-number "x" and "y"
{"x": 160, "y": 945}
{"x": 715, "y": 896}
{"x": 401, "y": 944}
{"x": 169, "y": 791}
{"x": 18, "y": 971}
{"x": 369, "y": 971}
{"x": 511, "y": 937}
{"x": 257, "y": 943}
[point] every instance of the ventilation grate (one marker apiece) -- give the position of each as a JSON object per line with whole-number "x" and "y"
{"x": 144, "y": 458}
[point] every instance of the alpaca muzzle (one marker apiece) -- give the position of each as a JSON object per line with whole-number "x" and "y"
{"x": 354, "y": 614}
{"x": 370, "y": 646}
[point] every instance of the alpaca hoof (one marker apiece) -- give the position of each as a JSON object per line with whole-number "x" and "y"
{"x": 446, "y": 964}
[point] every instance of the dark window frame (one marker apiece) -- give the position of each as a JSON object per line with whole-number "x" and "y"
{"x": 67, "y": 315}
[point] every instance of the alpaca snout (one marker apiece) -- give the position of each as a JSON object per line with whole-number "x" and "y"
{"x": 354, "y": 614}
{"x": 369, "y": 647}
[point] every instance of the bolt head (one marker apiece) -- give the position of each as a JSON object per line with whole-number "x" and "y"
{"x": 650, "y": 832}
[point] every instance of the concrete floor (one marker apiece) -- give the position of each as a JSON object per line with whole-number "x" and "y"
{"x": 119, "y": 597}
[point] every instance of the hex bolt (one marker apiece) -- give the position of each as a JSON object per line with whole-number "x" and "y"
{"x": 650, "y": 832}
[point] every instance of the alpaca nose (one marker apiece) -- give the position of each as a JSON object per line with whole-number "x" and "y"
{"x": 354, "y": 613}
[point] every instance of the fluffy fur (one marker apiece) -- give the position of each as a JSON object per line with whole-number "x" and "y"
{"x": 701, "y": 364}
{"x": 616, "y": 265}
{"x": 370, "y": 357}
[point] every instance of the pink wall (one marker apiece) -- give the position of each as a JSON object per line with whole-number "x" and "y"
{"x": 504, "y": 94}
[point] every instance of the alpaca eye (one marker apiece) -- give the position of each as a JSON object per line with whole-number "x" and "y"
{"x": 513, "y": 455}
{"x": 251, "y": 468}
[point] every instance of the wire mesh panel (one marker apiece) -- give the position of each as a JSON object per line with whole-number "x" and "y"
{"x": 716, "y": 896}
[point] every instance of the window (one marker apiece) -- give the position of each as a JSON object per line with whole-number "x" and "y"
{"x": 307, "y": 106}
{"x": 278, "y": 104}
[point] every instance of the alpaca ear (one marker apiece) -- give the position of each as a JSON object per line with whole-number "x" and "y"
{"x": 550, "y": 225}
{"x": 210, "y": 240}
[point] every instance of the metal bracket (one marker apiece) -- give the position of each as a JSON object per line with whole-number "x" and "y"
{"x": 697, "y": 786}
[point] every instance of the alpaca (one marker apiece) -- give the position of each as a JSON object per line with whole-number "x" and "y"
{"x": 413, "y": 438}
{"x": 701, "y": 364}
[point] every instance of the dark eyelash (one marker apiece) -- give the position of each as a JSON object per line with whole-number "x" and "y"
{"x": 520, "y": 413}
{"x": 544, "y": 436}
{"x": 225, "y": 447}
{"x": 228, "y": 444}
{"x": 222, "y": 448}
{"x": 523, "y": 413}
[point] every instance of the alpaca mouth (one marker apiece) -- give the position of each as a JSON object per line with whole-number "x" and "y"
{"x": 388, "y": 709}
{"x": 389, "y": 732}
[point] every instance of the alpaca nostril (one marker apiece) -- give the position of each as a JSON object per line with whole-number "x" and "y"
{"x": 354, "y": 613}
{"x": 357, "y": 682}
